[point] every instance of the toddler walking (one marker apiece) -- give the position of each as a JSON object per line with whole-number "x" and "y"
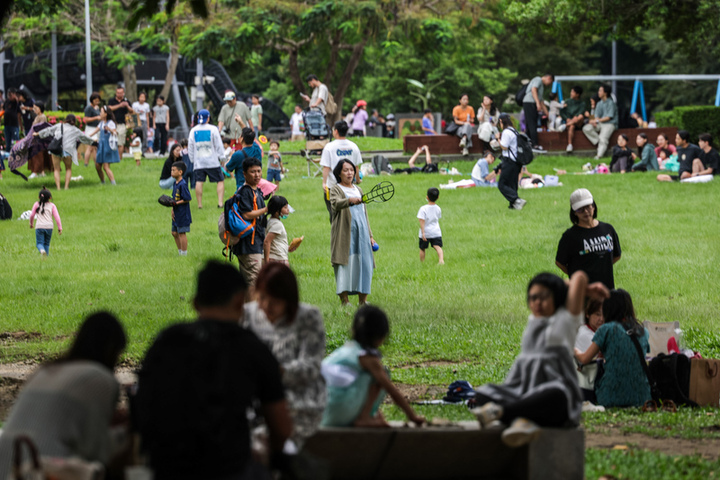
{"x": 356, "y": 379}
{"x": 136, "y": 144}
{"x": 430, "y": 234}
{"x": 45, "y": 211}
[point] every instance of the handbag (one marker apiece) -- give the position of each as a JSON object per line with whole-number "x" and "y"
{"x": 705, "y": 381}
{"x": 56, "y": 144}
{"x": 452, "y": 128}
{"x": 46, "y": 468}
{"x": 672, "y": 375}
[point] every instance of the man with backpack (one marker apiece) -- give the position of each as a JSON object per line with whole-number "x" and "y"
{"x": 512, "y": 161}
{"x": 251, "y": 205}
{"x": 533, "y": 104}
{"x": 198, "y": 381}
{"x": 320, "y": 94}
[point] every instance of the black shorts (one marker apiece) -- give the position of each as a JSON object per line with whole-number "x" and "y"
{"x": 435, "y": 242}
{"x": 214, "y": 175}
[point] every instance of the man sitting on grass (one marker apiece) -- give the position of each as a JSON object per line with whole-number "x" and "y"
{"x": 687, "y": 154}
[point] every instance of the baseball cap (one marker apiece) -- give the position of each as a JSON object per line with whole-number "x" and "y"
{"x": 361, "y": 103}
{"x": 203, "y": 116}
{"x": 229, "y": 95}
{"x": 581, "y": 198}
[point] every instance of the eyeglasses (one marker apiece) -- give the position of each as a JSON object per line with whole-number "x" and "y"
{"x": 586, "y": 207}
{"x": 542, "y": 296}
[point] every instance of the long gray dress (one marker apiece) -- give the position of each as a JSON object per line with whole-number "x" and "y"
{"x": 546, "y": 361}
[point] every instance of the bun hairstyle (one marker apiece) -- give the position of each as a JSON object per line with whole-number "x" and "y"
{"x": 370, "y": 326}
{"x": 44, "y": 197}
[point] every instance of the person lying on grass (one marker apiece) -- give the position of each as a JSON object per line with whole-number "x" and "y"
{"x": 356, "y": 379}
{"x": 541, "y": 389}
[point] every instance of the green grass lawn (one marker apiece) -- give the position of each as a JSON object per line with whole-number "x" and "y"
{"x": 462, "y": 320}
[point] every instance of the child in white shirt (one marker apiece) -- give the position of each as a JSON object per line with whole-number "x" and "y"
{"x": 136, "y": 144}
{"x": 430, "y": 234}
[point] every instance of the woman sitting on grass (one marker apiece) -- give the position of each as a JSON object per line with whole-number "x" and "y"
{"x": 356, "y": 379}
{"x": 541, "y": 389}
{"x": 68, "y": 405}
{"x": 624, "y": 383}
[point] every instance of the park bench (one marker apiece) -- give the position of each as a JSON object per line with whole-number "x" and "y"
{"x": 460, "y": 451}
{"x": 550, "y": 141}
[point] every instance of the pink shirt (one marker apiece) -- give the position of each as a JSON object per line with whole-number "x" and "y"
{"x": 670, "y": 147}
{"x": 45, "y": 219}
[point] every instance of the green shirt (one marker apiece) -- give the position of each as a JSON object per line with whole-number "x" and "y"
{"x": 573, "y": 109}
{"x": 607, "y": 108}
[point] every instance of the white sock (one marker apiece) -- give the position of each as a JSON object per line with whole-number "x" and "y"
{"x": 183, "y": 252}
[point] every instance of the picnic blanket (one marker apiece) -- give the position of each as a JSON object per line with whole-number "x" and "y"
{"x": 27, "y": 148}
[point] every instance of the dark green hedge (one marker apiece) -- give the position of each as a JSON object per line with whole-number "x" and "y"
{"x": 696, "y": 120}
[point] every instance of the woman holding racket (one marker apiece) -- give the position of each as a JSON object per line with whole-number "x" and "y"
{"x": 350, "y": 236}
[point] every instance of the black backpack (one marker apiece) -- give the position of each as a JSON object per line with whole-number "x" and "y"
{"x": 520, "y": 95}
{"x": 524, "y": 149}
{"x": 430, "y": 168}
{"x": 5, "y": 209}
{"x": 672, "y": 376}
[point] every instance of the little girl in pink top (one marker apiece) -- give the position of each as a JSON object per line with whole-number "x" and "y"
{"x": 45, "y": 211}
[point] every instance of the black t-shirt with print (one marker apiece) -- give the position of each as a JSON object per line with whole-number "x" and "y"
{"x": 686, "y": 155}
{"x": 591, "y": 250}
{"x": 711, "y": 159}
{"x": 194, "y": 389}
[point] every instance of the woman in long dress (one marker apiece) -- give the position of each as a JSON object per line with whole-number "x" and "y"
{"x": 351, "y": 239}
{"x": 542, "y": 389}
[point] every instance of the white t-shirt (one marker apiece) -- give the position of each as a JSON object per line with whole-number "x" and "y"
{"x": 296, "y": 120}
{"x": 142, "y": 110}
{"x": 335, "y": 151}
{"x": 279, "y": 246}
{"x": 136, "y": 145}
{"x": 431, "y": 214}
{"x": 508, "y": 139}
{"x": 322, "y": 92}
{"x": 584, "y": 338}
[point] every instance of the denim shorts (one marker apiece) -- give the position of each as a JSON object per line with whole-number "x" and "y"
{"x": 273, "y": 174}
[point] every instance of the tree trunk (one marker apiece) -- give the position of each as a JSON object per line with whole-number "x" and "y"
{"x": 294, "y": 70}
{"x": 172, "y": 67}
{"x": 332, "y": 62}
{"x": 130, "y": 80}
{"x": 346, "y": 78}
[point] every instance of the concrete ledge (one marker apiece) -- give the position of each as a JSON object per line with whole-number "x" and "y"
{"x": 441, "y": 453}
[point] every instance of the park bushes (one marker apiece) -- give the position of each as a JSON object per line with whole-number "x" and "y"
{"x": 694, "y": 119}
{"x": 54, "y": 117}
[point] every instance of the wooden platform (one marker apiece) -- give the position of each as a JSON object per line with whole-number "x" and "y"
{"x": 442, "y": 453}
{"x": 550, "y": 141}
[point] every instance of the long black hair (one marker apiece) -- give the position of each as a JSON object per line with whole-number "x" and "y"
{"x": 506, "y": 121}
{"x": 493, "y": 108}
{"x": 640, "y": 149}
{"x": 101, "y": 338}
{"x": 619, "y": 308}
{"x": 44, "y": 197}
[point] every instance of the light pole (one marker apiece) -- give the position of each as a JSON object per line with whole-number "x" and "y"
{"x": 88, "y": 52}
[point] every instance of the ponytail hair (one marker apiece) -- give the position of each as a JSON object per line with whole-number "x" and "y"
{"x": 44, "y": 197}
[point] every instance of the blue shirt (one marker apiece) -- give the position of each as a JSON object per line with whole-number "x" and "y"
{"x": 426, "y": 123}
{"x": 182, "y": 212}
{"x": 237, "y": 159}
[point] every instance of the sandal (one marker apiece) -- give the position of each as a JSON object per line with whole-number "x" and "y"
{"x": 669, "y": 406}
{"x": 650, "y": 406}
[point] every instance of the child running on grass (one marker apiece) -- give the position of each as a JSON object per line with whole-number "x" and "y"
{"x": 181, "y": 218}
{"x": 356, "y": 379}
{"x": 45, "y": 211}
{"x": 430, "y": 234}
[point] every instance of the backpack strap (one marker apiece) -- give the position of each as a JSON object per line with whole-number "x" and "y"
{"x": 654, "y": 390}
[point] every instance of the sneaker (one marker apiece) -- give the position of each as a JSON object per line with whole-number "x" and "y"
{"x": 562, "y": 128}
{"x": 487, "y": 414}
{"x": 32, "y": 175}
{"x": 521, "y": 432}
{"x": 569, "y": 148}
{"x": 463, "y": 142}
{"x": 519, "y": 204}
{"x": 43, "y": 253}
{"x": 597, "y": 157}
{"x": 465, "y": 152}
{"x": 538, "y": 149}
